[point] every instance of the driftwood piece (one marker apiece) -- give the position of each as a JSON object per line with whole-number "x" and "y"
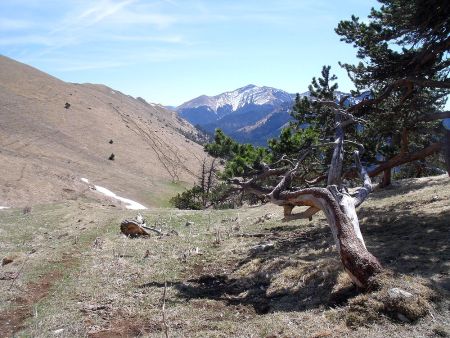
{"x": 133, "y": 229}
{"x": 158, "y": 231}
{"x": 138, "y": 228}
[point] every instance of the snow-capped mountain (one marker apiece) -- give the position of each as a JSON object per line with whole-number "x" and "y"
{"x": 249, "y": 114}
{"x": 206, "y": 109}
{"x": 239, "y": 111}
{"x": 239, "y": 98}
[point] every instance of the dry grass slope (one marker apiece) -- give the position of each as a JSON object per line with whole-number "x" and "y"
{"x": 52, "y": 133}
{"x": 236, "y": 273}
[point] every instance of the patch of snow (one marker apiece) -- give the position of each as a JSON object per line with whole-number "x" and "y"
{"x": 130, "y": 204}
{"x": 1, "y": 208}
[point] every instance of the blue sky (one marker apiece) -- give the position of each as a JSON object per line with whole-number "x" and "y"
{"x": 170, "y": 51}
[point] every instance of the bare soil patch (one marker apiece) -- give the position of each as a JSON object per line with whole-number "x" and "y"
{"x": 13, "y": 320}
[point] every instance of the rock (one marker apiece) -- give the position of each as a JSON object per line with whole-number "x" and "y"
{"x": 189, "y": 223}
{"x": 262, "y": 247}
{"x": 7, "y": 260}
{"x": 396, "y": 293}
{"x": 402, "y": 318}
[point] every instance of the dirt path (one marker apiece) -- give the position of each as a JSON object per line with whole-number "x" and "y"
{"x": 13, "y": 320}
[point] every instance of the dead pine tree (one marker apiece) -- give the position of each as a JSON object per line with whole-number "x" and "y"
{"x": 334, "y": 200}
{"x": 207, "y": 179}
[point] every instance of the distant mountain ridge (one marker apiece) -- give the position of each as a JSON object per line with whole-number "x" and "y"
{"x": 249, "y": 114}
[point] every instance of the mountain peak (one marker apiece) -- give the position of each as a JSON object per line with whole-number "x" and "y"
{"x": 247, "y": 87}
{"x": 229, "y": 102}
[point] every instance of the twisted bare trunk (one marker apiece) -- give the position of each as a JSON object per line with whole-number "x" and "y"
{"x": 358, "y": 262}
{"x": 334, "y": 201}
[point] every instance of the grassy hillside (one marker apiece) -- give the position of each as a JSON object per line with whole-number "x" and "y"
{"x": 54, "y": 133}
{"x": 238, "y": 273}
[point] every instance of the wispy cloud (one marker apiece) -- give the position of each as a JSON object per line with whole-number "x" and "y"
{"x": 103, "y": 10}
{"x": 7, "y": 24}
{"x": 26, "y": 40}
{"x": 174, "y": 39}
{"x": 123, "y": 13}
{"x": 86, "y": 65}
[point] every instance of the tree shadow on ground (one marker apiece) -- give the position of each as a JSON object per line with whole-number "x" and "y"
{"x": 410, "y": 243}
{"x": 299, "y": 270}
{"x": 405, "y": 186}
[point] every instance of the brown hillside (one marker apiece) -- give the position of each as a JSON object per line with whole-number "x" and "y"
{"x": 45, "y": 148}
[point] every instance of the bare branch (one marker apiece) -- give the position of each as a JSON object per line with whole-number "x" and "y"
{"x": 434, "y": 116}
{"x": 351, "y": 119}
{"x": 406, "y": 158}
{"x": 398, "y": 84}
{"x": 307, "y": 214}
{"x": 158, "y": 231}
{"x": 367, "y": 187}
{"x": 267, "y": 173}
{"x": 317, "y": 179}
{"x": 335, "y": 172}
{"x": 250, "y": 187}
{"x": 287, "y": 179}
{"x": 361, "y": 148}
{"x": 283, "y": 158}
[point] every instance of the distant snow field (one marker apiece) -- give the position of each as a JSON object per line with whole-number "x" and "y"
{"x": 1, "y": 208}
{"x": 130, "y": 204}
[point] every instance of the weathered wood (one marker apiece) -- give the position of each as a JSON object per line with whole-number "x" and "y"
{"x": 339, "y": 208}
{"x": 358, "y": 262}
{"x": 406, "y": 158}
{"x": 133, "y": 229}
{"x": 335, "y": 172}
{"x": 367, "y": 186}
{"x": 158, "y": 231}
{"x": 336, "y": 203}
{"x": 307, "y": 214}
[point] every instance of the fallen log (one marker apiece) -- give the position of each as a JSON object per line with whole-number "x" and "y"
{"x": 133, "y": 229}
